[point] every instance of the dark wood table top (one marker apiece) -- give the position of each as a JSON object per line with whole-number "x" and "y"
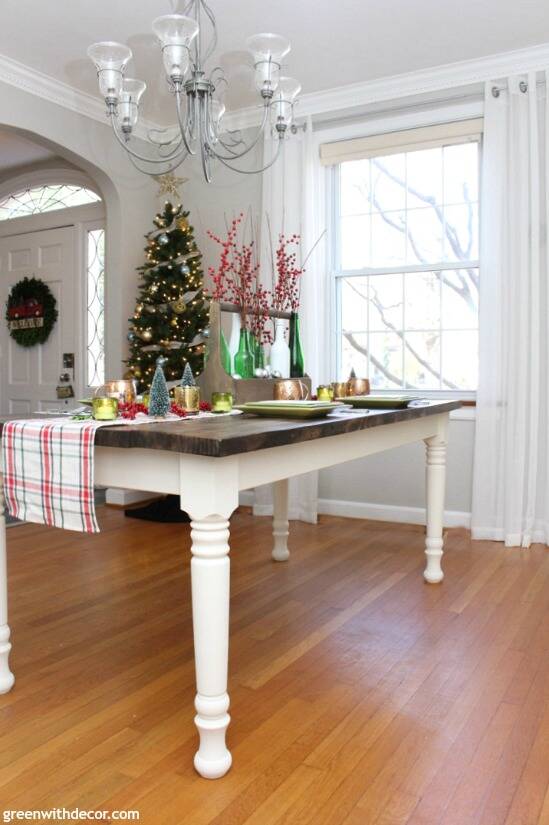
{"x": 230, "y": 435}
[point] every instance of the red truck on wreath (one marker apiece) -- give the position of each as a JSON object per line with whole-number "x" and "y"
{"x": 30, "y": 308}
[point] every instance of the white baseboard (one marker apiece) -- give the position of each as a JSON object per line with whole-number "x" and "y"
{"x": 367, "y": 510}
{"x": 123, "y": 498}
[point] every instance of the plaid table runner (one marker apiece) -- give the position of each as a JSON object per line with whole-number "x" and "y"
{"x": 48, "y": 472}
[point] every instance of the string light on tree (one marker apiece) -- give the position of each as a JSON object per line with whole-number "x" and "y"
{"x": 170, "y": 310}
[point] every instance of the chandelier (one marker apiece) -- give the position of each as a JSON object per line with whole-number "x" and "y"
{"x": 187, "y": 41}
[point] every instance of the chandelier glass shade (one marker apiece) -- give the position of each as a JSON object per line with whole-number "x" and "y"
{"x": 187, "y": 41}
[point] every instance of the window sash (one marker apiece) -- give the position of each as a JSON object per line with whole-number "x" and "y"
{"x": 339, "y": 275}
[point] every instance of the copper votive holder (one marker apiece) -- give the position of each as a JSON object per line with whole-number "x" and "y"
{"x": 105, "y": 409}
{"x": 358, "y": 386}
{"x": 188, "y": 398}
{"x": 340, "y": 389}
{"x": 123, "y": 389}
{"x": 222, "y": 402}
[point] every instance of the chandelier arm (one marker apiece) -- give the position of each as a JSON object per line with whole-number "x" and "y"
{"x": 205, "y": 150}
{"x": 171, "y": 167}
{"x": 251, "y": 171}
{"x": 137, "y": 156}
{"x": 249, "y": 147}
{"x": 213, "y": 43}
{"x": 183, "y": 126}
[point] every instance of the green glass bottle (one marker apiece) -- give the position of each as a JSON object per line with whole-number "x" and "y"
{"x": 244, "y": 359}
{"x": 297, "y": 366}
{"x": 259, "y": 354}
{"x": 225, "y": 354}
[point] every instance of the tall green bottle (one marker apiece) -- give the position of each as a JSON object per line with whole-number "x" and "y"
{"x": 297, "y": 366}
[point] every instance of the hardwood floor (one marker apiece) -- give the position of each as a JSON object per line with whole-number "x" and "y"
{"x": 359, "y": 694}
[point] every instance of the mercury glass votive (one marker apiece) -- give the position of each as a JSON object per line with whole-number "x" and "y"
{"x": 188, "y": 398}
{"x": 340, "y": 389}
{"x": 222, "y": 402}
{"x": 324, "y": 393}
{"x": 105, "y": 409}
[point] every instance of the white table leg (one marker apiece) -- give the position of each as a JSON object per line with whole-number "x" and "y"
{"x": 7, "y": 678}
{"x": 435, "y": 478}
{"x": 209, "y": 493}
{"x": 281, "y": 525}
{"x": 210, "y": 575}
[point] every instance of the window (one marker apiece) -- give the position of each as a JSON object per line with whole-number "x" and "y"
{"x": 405, "y": 259}
{"x": 45, "y": 199}
{"x": 95, "y": 322}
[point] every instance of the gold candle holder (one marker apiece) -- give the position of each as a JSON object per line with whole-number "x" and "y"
{"x": 222, "y": 402}
{"x": 105, "y": 409}
{"x": 340, "y": 389}
{"x": 324, "y": 393}
{"x": 188, "y": 398}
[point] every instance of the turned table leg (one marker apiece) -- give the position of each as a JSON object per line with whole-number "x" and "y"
{"x": 7, "y": 678}
{"x": 210, "y": 577}
{"x": 435, "y": 478}
{"x": 281, "y": 524}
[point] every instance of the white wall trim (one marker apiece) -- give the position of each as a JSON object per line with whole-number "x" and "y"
{"x": 368, "y": 510}
{"x": 56, "y": 91}
{"x": 352, "y": 96}
{"x": 396, "y": 87}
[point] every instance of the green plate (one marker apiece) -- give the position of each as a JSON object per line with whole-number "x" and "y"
{"x": 289, "y": 409}
{"x": 378, "y": 402}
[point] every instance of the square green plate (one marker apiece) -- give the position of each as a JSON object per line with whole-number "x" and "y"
{"x": 378, "y": 402}
{"x": 289, "y": 409}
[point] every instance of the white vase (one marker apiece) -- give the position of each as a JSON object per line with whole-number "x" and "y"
{"x": 280, "y": 351}
{"x": 234, "y": 337}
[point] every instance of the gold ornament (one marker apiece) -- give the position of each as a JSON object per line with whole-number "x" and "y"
{"x": 174, "y": 322}
{"x": 179, "y": 305}
{"x": 182, "y": 224}
{"x": 146, "y": 335}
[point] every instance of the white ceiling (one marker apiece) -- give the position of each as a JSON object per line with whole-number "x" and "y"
{"x": 333, "y": 43}
{"x": 18, "y": 151}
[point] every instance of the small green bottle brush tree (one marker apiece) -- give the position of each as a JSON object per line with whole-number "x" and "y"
{"x": 170, "y": 314}
{"x": 159, "y": 397}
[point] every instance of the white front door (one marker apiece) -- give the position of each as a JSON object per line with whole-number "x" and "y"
{"x": 29, "y": 375}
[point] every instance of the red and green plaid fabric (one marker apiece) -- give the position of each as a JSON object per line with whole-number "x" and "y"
{"x": 48, "y": 472}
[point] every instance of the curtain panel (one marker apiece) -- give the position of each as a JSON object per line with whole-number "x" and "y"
{"x": 511, "y": 470}
{"x": 292, "y": 202}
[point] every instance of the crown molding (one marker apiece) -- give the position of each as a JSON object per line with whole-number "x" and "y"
{"x": 55, "y": 91}
{"x": 424, "y": 81}
{"x": 353, "y": 96}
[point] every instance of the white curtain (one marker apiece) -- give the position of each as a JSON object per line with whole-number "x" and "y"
{"x": 511, "y": 474}
{"x": 291, "y": 200}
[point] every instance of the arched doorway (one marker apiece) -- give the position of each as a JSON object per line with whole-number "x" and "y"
{"x": 52, "y": 227}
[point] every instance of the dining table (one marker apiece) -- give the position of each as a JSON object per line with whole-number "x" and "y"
{"x": 207, "y": 462}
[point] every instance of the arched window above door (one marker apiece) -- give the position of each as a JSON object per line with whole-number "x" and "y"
{"x": 46, "y": 198}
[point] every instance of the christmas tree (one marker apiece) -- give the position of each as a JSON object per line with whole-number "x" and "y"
{"x": 170, "y": 314}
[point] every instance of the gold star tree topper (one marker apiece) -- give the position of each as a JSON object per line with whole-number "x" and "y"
{"x": 169, "y": 184}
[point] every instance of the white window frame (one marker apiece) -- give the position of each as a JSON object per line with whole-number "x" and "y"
{"x": 334, "y": 246}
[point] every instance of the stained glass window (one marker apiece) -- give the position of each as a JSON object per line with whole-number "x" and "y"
{"x": 45, "y": 199}
{"x": 96, "y": 307}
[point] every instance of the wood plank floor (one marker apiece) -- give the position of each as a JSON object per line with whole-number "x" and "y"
{"x": 359, "y": 695}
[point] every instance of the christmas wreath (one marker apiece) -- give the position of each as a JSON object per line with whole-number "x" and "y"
{"x": 31, "y": 312}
